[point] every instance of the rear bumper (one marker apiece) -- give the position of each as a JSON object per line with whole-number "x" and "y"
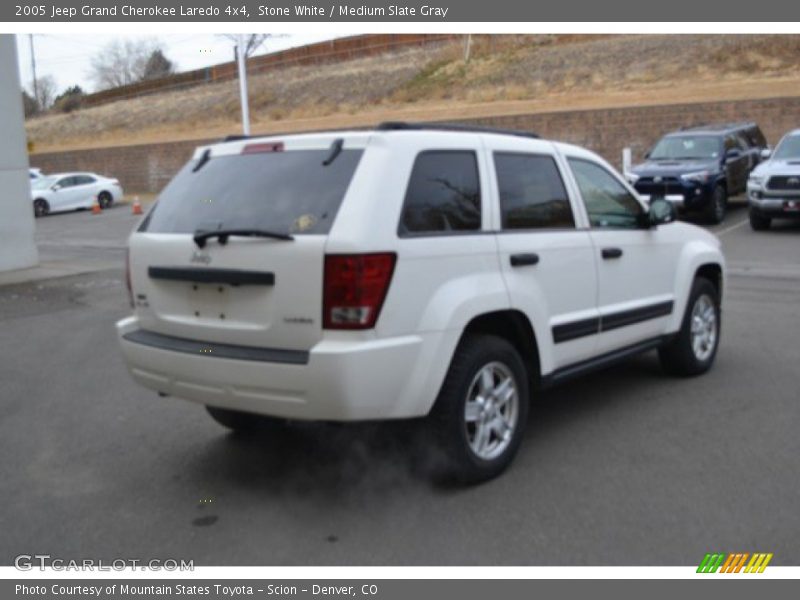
{"x": 341, "y": 381}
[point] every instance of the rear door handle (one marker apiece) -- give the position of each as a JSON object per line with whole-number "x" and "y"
{"x": 611, "y": 252}
{"x": 521, "y": 260}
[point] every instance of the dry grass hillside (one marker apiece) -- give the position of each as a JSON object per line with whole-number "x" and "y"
{"x": 506, "y": 75}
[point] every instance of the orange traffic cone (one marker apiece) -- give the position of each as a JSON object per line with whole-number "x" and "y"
{"x": 96, "y": 210}
{"x": 137, "y": 206}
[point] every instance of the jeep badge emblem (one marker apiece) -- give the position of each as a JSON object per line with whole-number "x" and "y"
{"x": 200, "y": 257}
{"x": 657, "y": 179}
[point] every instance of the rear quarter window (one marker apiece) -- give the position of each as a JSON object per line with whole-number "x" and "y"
{"x": 287, "y": 192}
{"x": 443, "y": 194}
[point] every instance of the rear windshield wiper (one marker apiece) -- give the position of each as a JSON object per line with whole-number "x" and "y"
{"x": 206, "y": 156}
{"x": 200, "y": 237}
{"x": 336, "y": 149}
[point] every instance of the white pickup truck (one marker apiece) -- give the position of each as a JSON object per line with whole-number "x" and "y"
{"x": 409, "y": 271}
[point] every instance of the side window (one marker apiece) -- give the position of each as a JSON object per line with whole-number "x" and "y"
{"x": 608, "y": 202}
{"x": 730, "y": 143}
{"x": 66, "y": 182}
{"x": 85, "y": 179}
{"x": 532, "y": 194}
{"x": 742, "y": 142}
{"x": 756, "y": 137}
{"x": 443, "y": 193}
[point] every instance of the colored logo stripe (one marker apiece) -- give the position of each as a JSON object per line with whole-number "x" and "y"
{"x": 734, "y": 562}
{"x": 711, "y": 563}
{"x": 759, "y": 562}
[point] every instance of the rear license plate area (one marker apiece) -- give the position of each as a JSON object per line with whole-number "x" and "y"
{"x": 210, "y": 300}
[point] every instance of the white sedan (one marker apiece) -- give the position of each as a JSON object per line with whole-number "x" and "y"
{"x": 72, "y": 191}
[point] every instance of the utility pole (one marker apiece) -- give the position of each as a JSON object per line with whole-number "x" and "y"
{"x": 241, "y": 51}
{"x": 33, "y": 68}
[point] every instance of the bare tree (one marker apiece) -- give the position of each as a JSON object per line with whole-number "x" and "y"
{"x": 252, "y": 41}
{"x": 123, "y": 62}
{"x": 158, "y": 65}
{"x": 45, "y": 92}
{"x": 29, "y": 104}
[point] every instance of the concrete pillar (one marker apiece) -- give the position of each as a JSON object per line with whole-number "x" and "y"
{"x": 17, "y": 247}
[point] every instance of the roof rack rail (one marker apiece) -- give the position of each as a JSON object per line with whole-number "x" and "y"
{"x": 719, "y": 127}
{"x": 406, "y": 126}
{"x": 236, "y": 137}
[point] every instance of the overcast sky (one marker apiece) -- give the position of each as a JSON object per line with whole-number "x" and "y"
{"x": 67, "y": 58}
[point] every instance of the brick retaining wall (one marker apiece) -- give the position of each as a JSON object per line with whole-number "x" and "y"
{"x": 148, "y": 167}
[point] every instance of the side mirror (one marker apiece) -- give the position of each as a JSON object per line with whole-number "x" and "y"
{"x": 732, "y": 153}
{"x": 766, "y": 153}
{"x": 661, "y": 212}
{"x": 56, "y": 187}
{"x": 647, "y": 154}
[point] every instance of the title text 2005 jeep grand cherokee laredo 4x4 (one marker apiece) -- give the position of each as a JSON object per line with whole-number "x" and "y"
{"x": 409, "y": 271}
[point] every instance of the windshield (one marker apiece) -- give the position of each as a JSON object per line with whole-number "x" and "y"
{"x": 43, "y": 182}
{"x": 788, "y": 148}
{"x": 283, "y": 192}
{"x": 682, "y": 147}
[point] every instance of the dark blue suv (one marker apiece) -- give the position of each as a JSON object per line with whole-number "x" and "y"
{"x": 699, "y": 167}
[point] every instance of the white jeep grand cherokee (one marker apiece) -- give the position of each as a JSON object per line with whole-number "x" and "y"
{"x": 407, "y": 271}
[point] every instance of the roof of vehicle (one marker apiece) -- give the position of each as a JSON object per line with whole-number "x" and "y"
{"x": 715, "y": 128}
{"x": 450, "y": 127}
{"x": 73, "y": 174}
{"x": 234, "y": 144}
{"x": 359, "y": 138}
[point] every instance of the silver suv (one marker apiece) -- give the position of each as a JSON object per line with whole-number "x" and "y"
{"x": 773, "y": 189}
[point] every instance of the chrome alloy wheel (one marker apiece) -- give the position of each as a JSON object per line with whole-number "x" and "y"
{"x": 704, "y": 327}
{"x": 491, "y": 410}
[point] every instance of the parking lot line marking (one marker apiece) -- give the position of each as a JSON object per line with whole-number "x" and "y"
{"x": 732, "y": 227}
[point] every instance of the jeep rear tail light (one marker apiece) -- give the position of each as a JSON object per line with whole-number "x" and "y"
{"x": 355, "y": 287}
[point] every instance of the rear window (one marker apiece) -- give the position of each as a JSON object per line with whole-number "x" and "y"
{"x": 286, "y": 192}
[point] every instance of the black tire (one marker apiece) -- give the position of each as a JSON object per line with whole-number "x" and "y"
{"x": 717, "y": 206}
{"x": 242, "y": 422}
{"x": 40, "y": 207}
{"x": 758, "y": 222}
{"x": 451, "y": 428}
{"x": 104, "y": 199}
{"x": 679, "y": 356}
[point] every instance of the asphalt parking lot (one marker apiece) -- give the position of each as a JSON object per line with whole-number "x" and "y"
{"x": 625, "y": 467}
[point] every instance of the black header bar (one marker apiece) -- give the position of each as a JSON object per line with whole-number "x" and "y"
{"x": 432, "y": 11}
